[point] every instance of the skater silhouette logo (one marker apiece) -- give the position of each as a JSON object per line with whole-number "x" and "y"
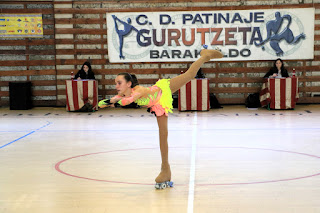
{"x": 277, "y": 31}
{"x": 122, "y": 33}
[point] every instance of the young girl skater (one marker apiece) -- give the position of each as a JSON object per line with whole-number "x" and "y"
{"x": 158, "y": 99}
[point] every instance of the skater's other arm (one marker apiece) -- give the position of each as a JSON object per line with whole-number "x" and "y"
{"x": 128, "y": 100}
{"x": 105, "y": 103}
{"x": 115, "y": 99}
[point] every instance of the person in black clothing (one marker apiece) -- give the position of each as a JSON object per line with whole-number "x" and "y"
{"x": 277, "y": 70}
{"x": 85, "y": 72}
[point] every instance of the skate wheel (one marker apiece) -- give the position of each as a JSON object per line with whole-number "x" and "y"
{"x": 170, "y": 184}
{"x": 163, "y": 185}
{"x": 157, "y": 186}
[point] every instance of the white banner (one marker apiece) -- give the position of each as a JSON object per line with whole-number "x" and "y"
{"x": 241, "y": 35}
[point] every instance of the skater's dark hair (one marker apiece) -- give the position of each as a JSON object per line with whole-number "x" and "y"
{"x": 130, "y": 77}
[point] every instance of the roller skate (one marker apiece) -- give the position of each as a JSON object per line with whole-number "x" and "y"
{"x": 211, "y": 54}
{"x": 164, "y": 185}
{"x": 163, "y": 179}
{"x": 206, "y": 47}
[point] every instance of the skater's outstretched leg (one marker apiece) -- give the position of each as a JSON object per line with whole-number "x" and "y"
{"x": 165, "y": 174}
{"x": 180, "y": 80}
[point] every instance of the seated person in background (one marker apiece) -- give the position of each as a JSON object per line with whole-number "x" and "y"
{"x": 277, "y": 71}
{"x": 85, "y": 72}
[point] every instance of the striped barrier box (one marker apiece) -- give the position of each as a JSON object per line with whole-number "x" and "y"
{"x": 280, "y": 93}
{"x": 194, "y": 96}
{"x": 81, "y": 92}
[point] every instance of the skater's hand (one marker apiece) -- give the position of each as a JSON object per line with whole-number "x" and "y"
{"x": 105, "y": 104}
{"x": 115, "y": 99}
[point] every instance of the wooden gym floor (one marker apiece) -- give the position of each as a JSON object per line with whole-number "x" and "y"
{"x": 229, "y": 160}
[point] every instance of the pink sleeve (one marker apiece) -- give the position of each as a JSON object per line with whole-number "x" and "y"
{"x": 117, "y": 96}
{"x": 126, "y": 101}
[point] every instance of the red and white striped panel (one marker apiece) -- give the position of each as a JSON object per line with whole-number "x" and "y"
{"x": 80, "y": 92}
{"x": 265, "y": 94}
{"x": 283, "y": 93}
{"x": 194, "y": 96}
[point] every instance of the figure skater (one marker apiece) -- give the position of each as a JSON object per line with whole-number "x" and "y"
{"x": 158, "y": 99}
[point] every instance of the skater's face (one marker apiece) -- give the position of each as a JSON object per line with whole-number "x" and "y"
{"x": 122, "y": 86}
{"x": 278, "y": 64}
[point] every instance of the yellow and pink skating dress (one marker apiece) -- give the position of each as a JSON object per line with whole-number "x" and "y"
{"x": 159, "y": 103}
